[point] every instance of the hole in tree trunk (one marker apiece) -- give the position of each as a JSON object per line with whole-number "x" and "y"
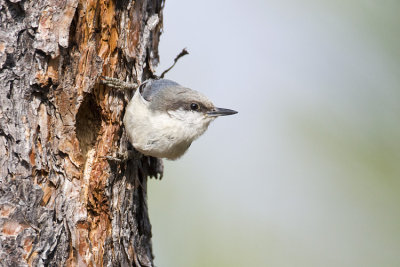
{"x": 88, "y": 122}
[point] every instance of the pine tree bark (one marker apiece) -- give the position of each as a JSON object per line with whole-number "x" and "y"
{"x": 61, "y": 202}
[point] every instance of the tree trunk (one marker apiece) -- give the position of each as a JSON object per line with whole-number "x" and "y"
{"x": 61, "y": 202}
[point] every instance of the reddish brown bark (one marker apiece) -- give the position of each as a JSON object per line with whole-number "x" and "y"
{"x": 61, "y": 202}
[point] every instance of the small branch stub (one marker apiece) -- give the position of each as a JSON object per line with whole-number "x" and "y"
{"x": 184, "y": 52}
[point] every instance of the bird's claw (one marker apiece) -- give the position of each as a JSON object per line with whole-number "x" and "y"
{"x": 117, "y": 83}
{"x": 124, "y": 157}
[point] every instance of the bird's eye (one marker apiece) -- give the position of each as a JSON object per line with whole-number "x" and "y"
{"x": 194, "y": 106}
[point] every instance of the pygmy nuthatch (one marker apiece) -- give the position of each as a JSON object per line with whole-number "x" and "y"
{"x": 163, "y": 118}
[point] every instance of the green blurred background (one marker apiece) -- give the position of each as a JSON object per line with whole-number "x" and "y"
{"x": 308, "y": 172}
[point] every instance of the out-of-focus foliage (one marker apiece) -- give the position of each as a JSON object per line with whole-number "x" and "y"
{"x": 308, "y": 172}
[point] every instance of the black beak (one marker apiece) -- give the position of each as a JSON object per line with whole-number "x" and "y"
{"x": 221, "y": 112}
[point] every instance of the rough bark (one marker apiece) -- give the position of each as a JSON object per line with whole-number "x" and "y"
{"x": 61, "y": 202}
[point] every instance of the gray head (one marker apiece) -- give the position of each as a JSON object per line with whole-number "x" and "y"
{"x": 168, "y": 96}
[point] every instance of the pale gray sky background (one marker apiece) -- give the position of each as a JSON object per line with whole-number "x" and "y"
{"x": 308, "y": 172}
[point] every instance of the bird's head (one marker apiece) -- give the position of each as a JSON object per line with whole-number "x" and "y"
{"x": 190, "y": 108}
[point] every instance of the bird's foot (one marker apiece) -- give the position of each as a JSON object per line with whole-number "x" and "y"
{"x": 118, "y": 84}
{"x": 124, "y": 157}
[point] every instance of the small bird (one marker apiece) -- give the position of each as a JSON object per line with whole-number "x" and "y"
{"x": 163, "y": 118}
